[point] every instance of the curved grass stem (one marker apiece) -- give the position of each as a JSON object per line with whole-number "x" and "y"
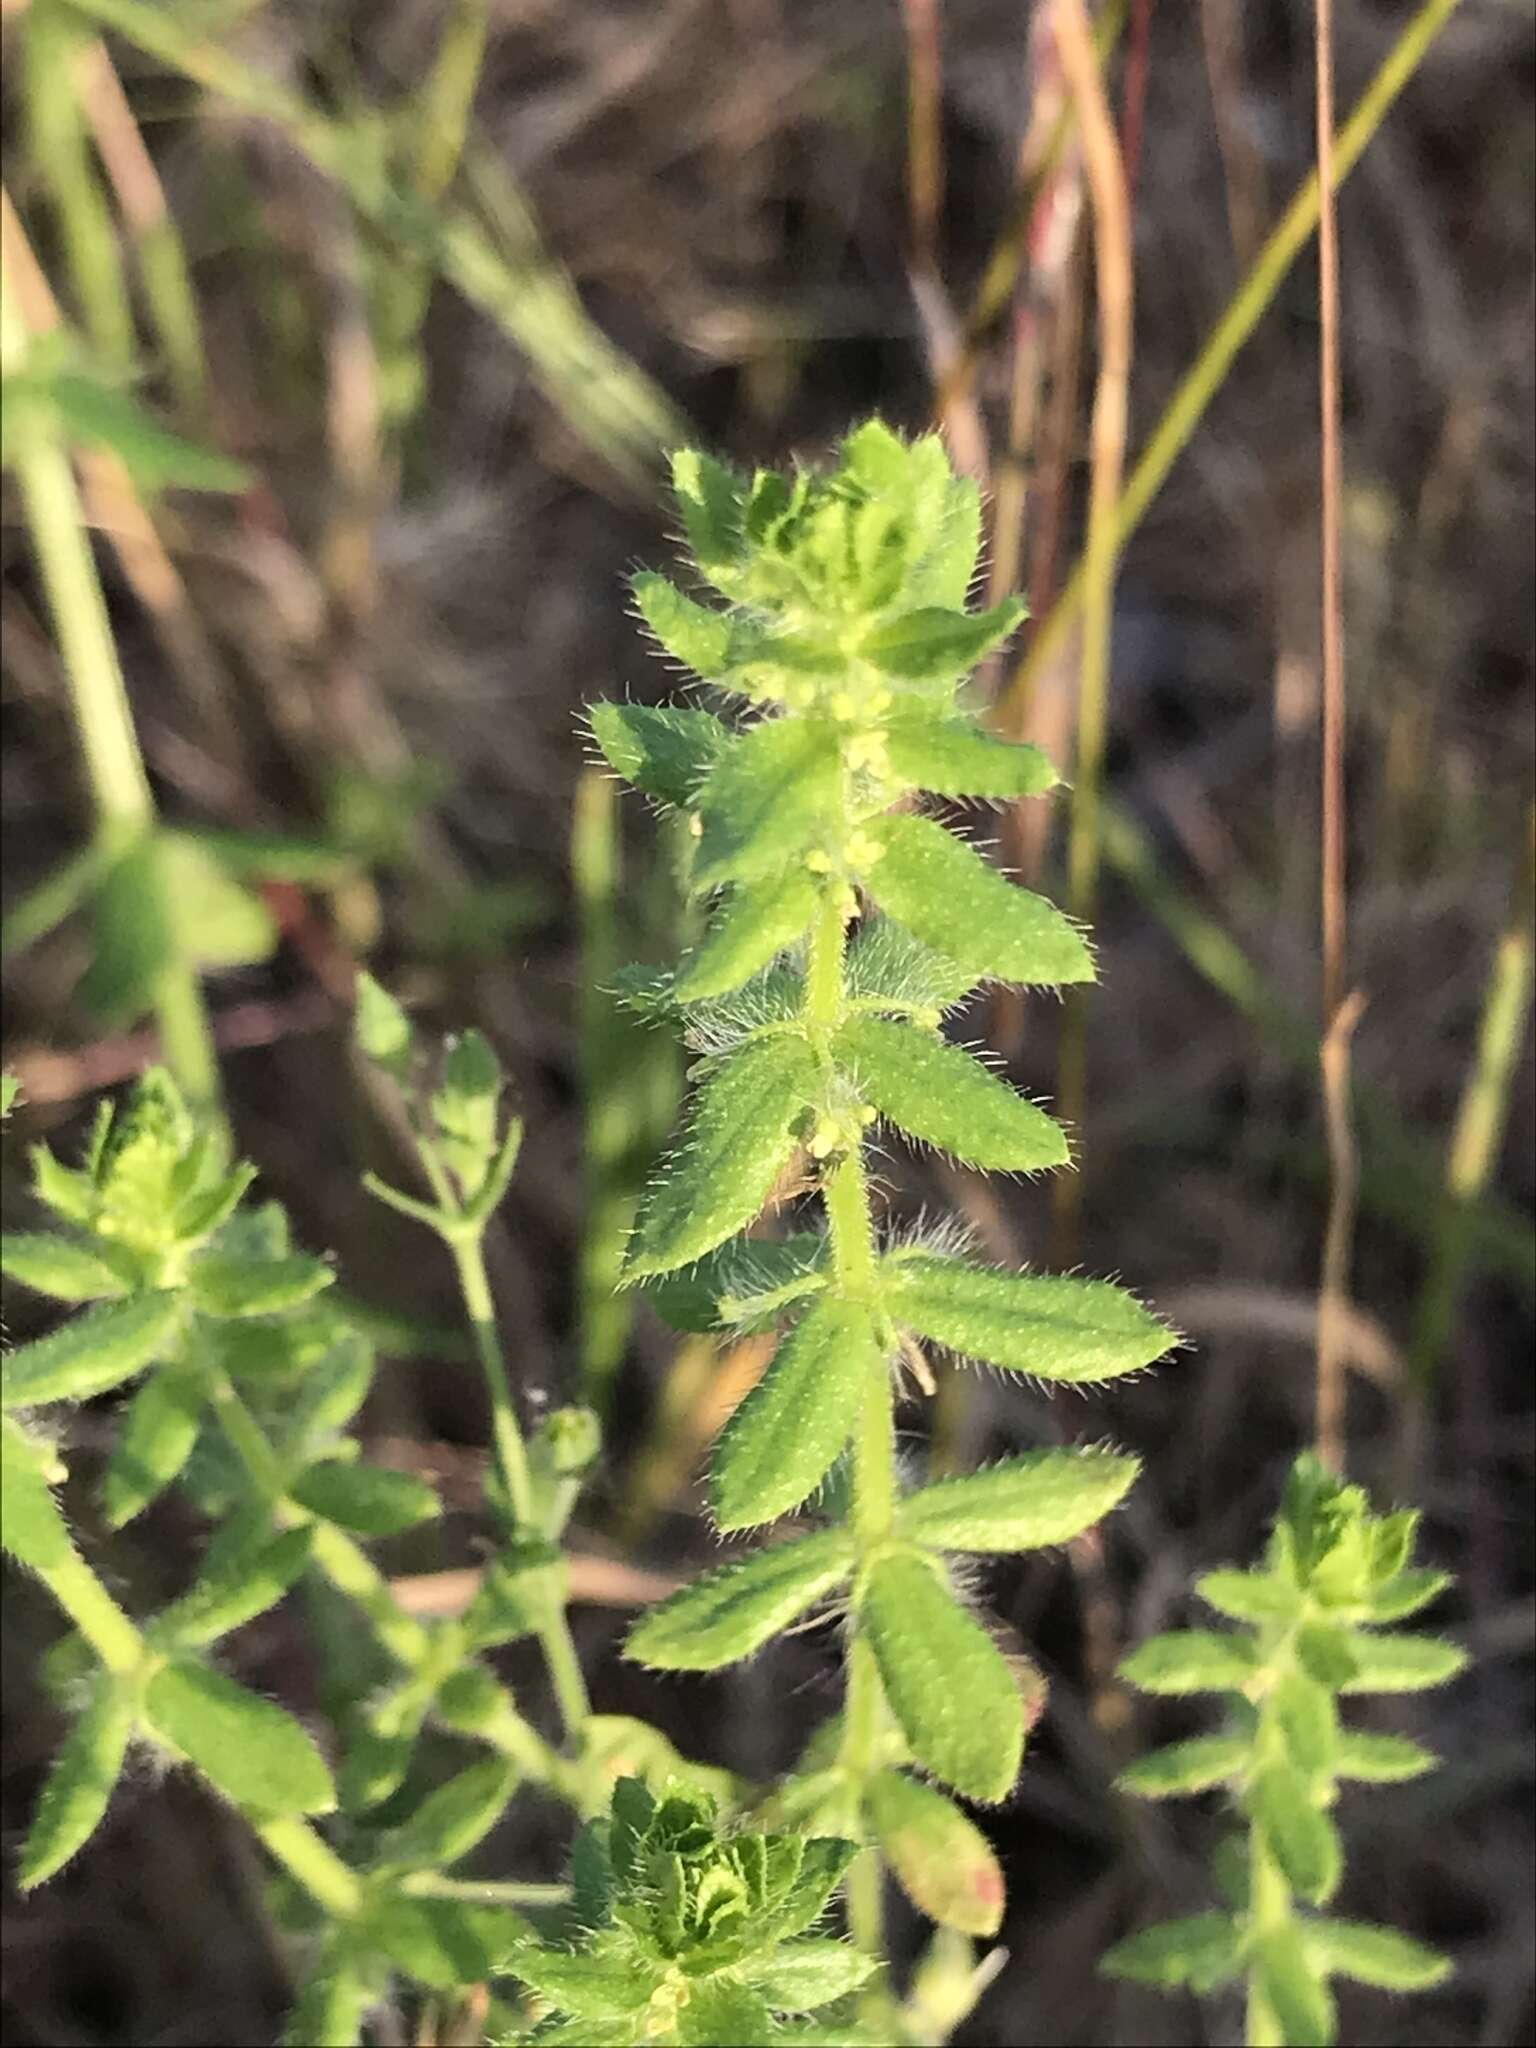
{"x": 1187, "y": 407}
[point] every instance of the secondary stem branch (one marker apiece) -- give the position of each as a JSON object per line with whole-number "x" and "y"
{"x": 554, "y": 1630}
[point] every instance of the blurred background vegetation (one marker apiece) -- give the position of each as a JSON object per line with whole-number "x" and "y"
{"x": 367, "y": 325}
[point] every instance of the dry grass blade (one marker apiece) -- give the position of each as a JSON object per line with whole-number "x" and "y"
{"x": 1115, "y": 289}
{"x": 1344, "y": 1180}
{"x": 1188, "y": 405}
{"x": 1339, "y": 1017}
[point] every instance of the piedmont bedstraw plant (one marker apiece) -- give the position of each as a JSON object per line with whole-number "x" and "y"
{"x": 843, "y": 925}
{"x": 246, "y": 1374}
{"x": 246, "y": 1377}
{"x": 1316, "y": 1625}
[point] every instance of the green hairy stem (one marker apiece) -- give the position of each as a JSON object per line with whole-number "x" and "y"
{"x": 843, "y": 926}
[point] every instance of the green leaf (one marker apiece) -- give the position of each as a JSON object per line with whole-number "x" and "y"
{"x": 134, "y": 940}
{"x": 1381, "y": 1759}
{"x": 948, "y": 1685}
{"x": 878, "y": 459}
{"x": 775, "y": 667}
{"x": 10, "y": 1094}
{"x": 1326, "y": 1651}
{"x": 1398, "y": 1597}
{"x": 464, "y": 1110}
{"x": 1191, "y": 1660}
{"x": 1232, "y": 1868}
{"x": 519, "y": 1592}
{"x": 465, "y": 1105}
{"x": 383, "y": 1031}
{"x": 691, "y": 633}
{"x": 943, "y": 1861}
{"x": 943, "y": 890}
{"x": 1204, "y": 1952}
{"x": 732, "y": 1611}
{"x": 1375, "y": 1955}
{"x": 450, "y": 1821}
{"x": 721, "y": 2013}
{"x": 231, "y": 1287}
{"x": 710, "y": 499}
{"x": 1185, "y": 1767}
{"x": 250, "y": 1750}
{"x": 592, "y": 1887}
{"x": 31, "y": 1527}
{"x": 634, "y": 1807}
{"x": 370, "y": 1499}
{"x": 769, "y": 502}
{"x": 97, "y": 1350}
{"x": 740, "y": 1137}
{"x": 1297, "y": 1995}
{"x": 941, "y": 1095}
{"x": 808, "y": 1974}
{"x": 444, "y": 1943}
{"x": 67, "y": 1193}
{"x": 1309, "y": 1721}
{"x": 204, "y": 1215}
{"x": 148, "y": 1160}
{"x": 1249, "y": 1596}
{"x": 93, "y": 411}
{"x": 753, "y": 925}
{"x": 948, "y": 567}
{"x": 663, "y": 750}
{"x": 771, "y": 797}
{"x": 821, "y": 1865}
{"x": 1021, "y": 1504}
{"x": 1302, "y": 1839}
{"x": 779, "y": 1444}
{"x": 881, "y": 541}
{"x": 158, "y": 1431}
{"x": 890, "y": 968}
{"x": 1392, "y": 1538}
{"x": 1046, "y": 1325}
{"x": 470, "y": 1700}
{"x": 954, "y": 757}
{"x": 594, "y": 1982}
{"x": 338, "y": 1369}
{"x": 234, "y": 1588}
{"x": 1402, "y": 1663}
{"x": 79, "y": 1786}
{"x": 216, "y": 920}
{"x": 935, "y": 645}
{"x": 58, "y": 1267}
{"x": 743, "y": 1284}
